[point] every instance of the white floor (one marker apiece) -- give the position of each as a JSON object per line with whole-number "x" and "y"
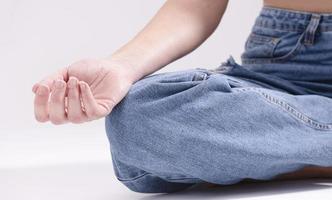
{"x": 76, "y": 166}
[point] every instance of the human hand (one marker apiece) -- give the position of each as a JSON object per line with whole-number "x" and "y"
{"x": 84, "y": 91}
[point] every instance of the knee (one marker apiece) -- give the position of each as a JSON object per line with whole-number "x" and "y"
{"x": 135, "y": 140}
{"x": 145, "y": 122}
{"x": 127, "y": 123}
{"x": 121, "y": 129}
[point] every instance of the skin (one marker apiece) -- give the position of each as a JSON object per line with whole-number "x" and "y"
{"x": 319, "y": 6}
{"x": 88, "y": 89}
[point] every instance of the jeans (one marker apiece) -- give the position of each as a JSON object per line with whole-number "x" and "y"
{"x": 270, "y": 115}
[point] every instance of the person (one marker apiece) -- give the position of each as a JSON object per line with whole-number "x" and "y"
{"x": 265, "y": 119}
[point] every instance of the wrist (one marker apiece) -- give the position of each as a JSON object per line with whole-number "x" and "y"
{"x": 126, "y": 66}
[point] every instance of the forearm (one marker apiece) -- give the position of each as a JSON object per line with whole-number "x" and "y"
{"x": 178, "y": 28}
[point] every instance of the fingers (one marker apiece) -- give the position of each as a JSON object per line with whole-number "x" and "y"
{"x": 75, "y": 113}
{"x": 41, "y": 103}
{"x": 61, "y": 74}
{"x": 67, "y": 102}
{"x": 56, "y": 106}
{"x": 93, "y": 110}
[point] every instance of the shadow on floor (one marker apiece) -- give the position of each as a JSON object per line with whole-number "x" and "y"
{"x": 96, "y": 181}
{"x": 247, "y": 190}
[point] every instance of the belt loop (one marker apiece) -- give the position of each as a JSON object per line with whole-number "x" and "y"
{"x": 309, "y": 35}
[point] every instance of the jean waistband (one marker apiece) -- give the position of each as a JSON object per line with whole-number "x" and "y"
{"x": 292, "y": 20}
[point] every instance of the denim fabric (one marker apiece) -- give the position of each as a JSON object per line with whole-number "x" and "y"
{"x": 270, "y": 115}
{"x": 295, "y": 46}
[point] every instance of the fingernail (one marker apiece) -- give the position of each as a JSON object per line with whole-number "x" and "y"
{"x": 41, "y": 90}
{"x": 72, "y": 82}
{"x": 59, "y": 84}
{"x": 34, "y": 88}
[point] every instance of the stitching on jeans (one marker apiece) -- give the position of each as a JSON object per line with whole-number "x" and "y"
{"x": 255, "y": 38}
{"x": 292, "y": 110}
{"x": 144, "y": 174}
{"x": 134, "y": 178}
{"x": 285, "y": 57}
{"x": 117, "y": 168}
{"x": 148, "y": 173}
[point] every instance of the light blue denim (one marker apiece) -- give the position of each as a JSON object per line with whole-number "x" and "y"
{"x": 270, "y": 115}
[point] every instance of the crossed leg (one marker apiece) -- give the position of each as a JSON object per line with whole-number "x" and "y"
{"x": 176, "y": 129}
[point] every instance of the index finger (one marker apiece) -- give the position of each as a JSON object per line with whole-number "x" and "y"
{"x": 41, "y": 103}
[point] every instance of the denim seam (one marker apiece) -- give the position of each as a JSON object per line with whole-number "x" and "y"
{"x": 281, "y": 27}
{"x": 134, "y": 178}
{"x": 117, "y": 171}
{"x": 183, "y": 178}
{"x": 144, "y": 174}
{"x": 278, "y": 26}
{"x": 148, "y": 173}
{"x": 292, "y": 110}
{"x": 268, "y": 11}
{"x": 262, "y": 38}
{"x": 312, "y": 29}
{"x": 301, "y": 14}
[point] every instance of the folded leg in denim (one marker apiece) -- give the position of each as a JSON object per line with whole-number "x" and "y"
{"x": 175, "y": 129}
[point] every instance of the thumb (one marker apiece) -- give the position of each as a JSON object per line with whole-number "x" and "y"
{"x": 94, "y": 108}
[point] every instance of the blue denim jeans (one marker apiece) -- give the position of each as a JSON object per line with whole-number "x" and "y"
{"x": 270, "y": 115}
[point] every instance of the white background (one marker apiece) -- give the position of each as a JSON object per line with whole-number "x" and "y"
{"x": 72, "y": 161}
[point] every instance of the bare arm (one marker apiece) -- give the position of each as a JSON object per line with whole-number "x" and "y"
{"x": 178, "y": 28}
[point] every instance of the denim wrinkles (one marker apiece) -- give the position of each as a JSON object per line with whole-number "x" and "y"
{"x": 269, "y": 115}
